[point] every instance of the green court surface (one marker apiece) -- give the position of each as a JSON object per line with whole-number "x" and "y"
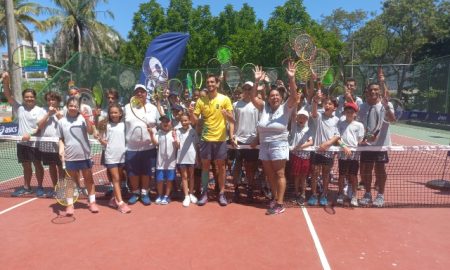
{"x": 427, "y": 135}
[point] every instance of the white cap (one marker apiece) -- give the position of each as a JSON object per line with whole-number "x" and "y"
{"x": 303, "y": 112}
{"x": 248, "y": 83}
{"x": 138, "y": 86}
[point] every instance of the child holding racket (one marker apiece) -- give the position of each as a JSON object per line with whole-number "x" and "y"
{"x": 115, "y": 154}
{"x": 166, "y": 141}
{"x": 75, "y": 150}
{"x": 186, "y": 157}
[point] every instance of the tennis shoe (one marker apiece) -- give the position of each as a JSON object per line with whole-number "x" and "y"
{"x": 272, "y": 203}
{"x": 112, "y": 203}
{"x": 186, "y": 201}
{"x": 159, "y": 199}
{"x": 203, "y": 200}
{"x": 193, "y": 198}
{"x": 133, "y": 199}
{"x": 40, "y": 192}
{"x": 165, "y": 200}
{"x": 123, "y": 208}
{"x": 222, "y": 199}
{"x": 340, "y": 199}
{"x": 70, "y": 210}
{"x": 93, "y": 207}
{"x": 366, "y": 199}
{"x": 354, "y": 202}
{"x": 145, "y": 199}
{"x": 278, "y": 209}
{"x": 21, "y": 192}
{"x": 379, "y": 200}
{"x": 313, "y": 200}
{"x": 323, "y": 201}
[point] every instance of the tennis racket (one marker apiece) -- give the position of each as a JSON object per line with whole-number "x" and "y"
{"x": 127, "y": 79}
{"x": 378, "y": 47}
{"x": 321, "y": 63}
{"x": 271, "y": 75}
{"x": 248, "y": 72}
{"x": 398, "y": 107}
{"x": 65, "y": 189}
{"x": 138, "y": 109}
{"x": 24, "y": 56}
{"x": 213, "y": 67}
{"x": 97, "y": 92}
{"x": 223, "y": 55}
{"x": 233, "y": 78}
{"x": 304, "y": 48}
{"x": 198, "y": 79}
{"x": 189, "y": 87}
{"x": 303, "y": 71}
{"x": 293, "y": 34}
{"x": 175, "y": 86}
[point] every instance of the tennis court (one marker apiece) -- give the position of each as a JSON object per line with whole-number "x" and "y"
{"x": 238, "y": 236}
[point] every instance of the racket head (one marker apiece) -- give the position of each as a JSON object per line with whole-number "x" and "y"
{"x": 224, "y": 54}
{"x": 138, "y": 109}
{"x": 288, "y": 50}
{"x": 175, "y": 86}
{"x": 303, "y": 71}
{"x": 127, "y": 79}
{"x": 321, "y": 63}
{"x": 398, "y": 107}
{"x": 293, "y": 34}
{"x": 378, "y": 45}
{"x": 248, "y": 72}
{"x": 271, "y": 75}
{"x": 198, "y": 79}
{"x": 65, "y": 188}
{"x": 86, "y": 97}
{"x": 97, "y": 92}
{"x": 24, "y": 56}
{"x": 213, "y": 67}
{"x": 304, "y": 47}
{"x": 232, "y": 77}
{"x": 341, "y": 66}
{"x": 189, "y": 85}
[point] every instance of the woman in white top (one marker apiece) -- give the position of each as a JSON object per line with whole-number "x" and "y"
{"x": 28, "y": 116}
{"x": 273, "y": 134}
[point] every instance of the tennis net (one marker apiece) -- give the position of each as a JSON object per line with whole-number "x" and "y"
{"x": 413, "y": 174}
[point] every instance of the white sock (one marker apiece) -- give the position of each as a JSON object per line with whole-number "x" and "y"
{"x": 69, "y": 201}
{"x": 143, "y": 192}
{"x": 92, "y": 198}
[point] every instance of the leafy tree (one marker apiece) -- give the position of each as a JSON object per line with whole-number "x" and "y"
{"x": 344, "y": 23}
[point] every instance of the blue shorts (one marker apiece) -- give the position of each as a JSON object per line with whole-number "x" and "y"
{"x": 168, "y": 175}
{"x": 274, "y": 151}
{"x": 77, "y": 165}
{"x": 115, "y": 165}
{"x": 140, "y": 162}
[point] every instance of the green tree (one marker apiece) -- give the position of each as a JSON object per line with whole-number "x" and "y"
{"x": 80, "y": 31}
{"x": 344, "y": 23}
{"x": 148, "y": 22}
{"x": 25, "y": 14}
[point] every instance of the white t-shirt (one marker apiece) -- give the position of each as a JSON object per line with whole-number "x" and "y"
{"x": 167, "y": 154}
{"x": 351, "y": 134}
{"x": 73, "y": 130}
{"x": 299, "y": 137}
{"x": 115, "y": 149}
{"x": 327, "y": 128}
{"x": 374, "y": 119}
{"x": 50, "y": 130}
{"x": 27, "y": 120}
{"x": 136, "y": 133}
{"x": 272, "y": 126}
{"x": 246, "y": 116}
{"x": 188, "y": 140}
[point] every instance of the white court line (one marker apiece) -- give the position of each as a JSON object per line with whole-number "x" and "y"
{"x": 404, "y": 136}
{"x": 17, "y": 205}
{"x": 33, "y": 199}
{"x": 315, "y": 237}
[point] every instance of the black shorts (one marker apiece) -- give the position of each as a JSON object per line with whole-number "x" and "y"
{"x": 348, "y": 167}
{"x": 374, "y": 156}
{"x": 50, "y": 158}
{"x": 102, "y": 158}
{"x": 213, "y": 150}
{"x": 27, "y": 153}
{"x": 318, "y": 159}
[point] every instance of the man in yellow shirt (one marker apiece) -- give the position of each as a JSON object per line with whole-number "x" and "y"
{"x": 214, "y": 109}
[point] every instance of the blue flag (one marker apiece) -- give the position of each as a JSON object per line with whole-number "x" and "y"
{"x": 163, "y": 58}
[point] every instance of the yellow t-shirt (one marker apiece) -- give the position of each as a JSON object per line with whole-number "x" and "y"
{"x": 214, "y": 122}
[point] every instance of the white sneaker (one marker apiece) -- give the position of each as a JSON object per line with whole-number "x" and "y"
{"x": 186, "y": 201}
{"x": 193, "y": 198}
{"x": 354, "y": 202}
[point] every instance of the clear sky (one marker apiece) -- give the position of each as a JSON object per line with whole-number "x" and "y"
{"x": 124, "y": 10}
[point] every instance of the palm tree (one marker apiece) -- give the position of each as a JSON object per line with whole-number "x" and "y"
{"x": 80, "y": 31}
{"x": 25, "y": 13}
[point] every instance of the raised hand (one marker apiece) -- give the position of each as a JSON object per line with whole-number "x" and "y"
{"x": 259, "y": 73}
{"x": 290, "y": 70}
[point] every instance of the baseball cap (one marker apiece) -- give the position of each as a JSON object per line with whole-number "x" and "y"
{"x": 249, "y": 83}
{"x": 351, "y": 105}
{"x": 164, "y": 118}
{"x": 139, "y": 86}
{"x": 303, "y": 112}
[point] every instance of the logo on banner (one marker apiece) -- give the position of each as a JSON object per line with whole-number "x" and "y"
{"x": 9, "y": 129}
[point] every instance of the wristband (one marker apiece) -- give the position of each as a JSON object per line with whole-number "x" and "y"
{"x": 342, "y": 144}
